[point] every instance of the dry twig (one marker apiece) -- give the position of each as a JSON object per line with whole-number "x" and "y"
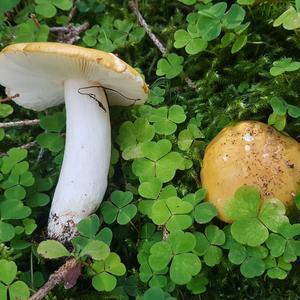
{"x": 67, "y": 273}
{"x": 133, "y": 5}
{"x": 65, "y": 34}
{"x": 69, "y": 34}
{"x": 19, "y": 123}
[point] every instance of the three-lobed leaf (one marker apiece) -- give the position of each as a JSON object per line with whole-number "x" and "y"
{"x": 52, "y": 249}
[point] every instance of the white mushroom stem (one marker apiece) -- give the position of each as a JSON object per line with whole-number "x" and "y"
{"x": 83, "y": 177}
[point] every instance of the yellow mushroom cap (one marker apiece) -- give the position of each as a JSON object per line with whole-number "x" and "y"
{"x": 37, "y": 72}
{"x": 254, "y": 154}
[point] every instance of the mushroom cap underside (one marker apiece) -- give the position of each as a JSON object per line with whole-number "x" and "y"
{"x": 37, "y": 72}
{"x": 254, "y": 154}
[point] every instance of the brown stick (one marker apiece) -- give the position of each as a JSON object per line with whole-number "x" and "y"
{"x": 133, "y": 5}
{"x": 57, "y": 277}
{"x": 165, "y": 233}
{"x": 69, "y": 34}
{"x": 35, "y": 20}
{"x": 28, "y": 145}
{"x": 72, "y": 13}
{"x": 19, "y": 123}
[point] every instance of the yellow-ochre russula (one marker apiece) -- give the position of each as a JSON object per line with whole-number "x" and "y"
{"x": 254, "y": 154}
{"x": 86, "y": 80}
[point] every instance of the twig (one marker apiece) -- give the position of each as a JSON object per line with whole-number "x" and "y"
{"x": 190, "y": 83}
{"x": 28, "y": 145}
{"x": 69, "y": 34}
{"x": 35, "y": 20}
{"x": 25, "y": 146}
{"x": 165, "y": 233}
{"x": 19, "y": 123}
{"x": 67, "y": 273}
{"x": 133, "y": 5}
{"x": 72, "y": 13}
{"x": 9, "y": 98}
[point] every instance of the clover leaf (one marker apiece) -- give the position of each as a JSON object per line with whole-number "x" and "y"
{"x": 88, "y": 229}
{"x": 14, "y": 156}
{"x": 165, "y": 119}
{"x": 132, "y": 136}
{"x": 119, "y": 208}
{"x": 193, "y": 43}
{"x": 239, "y": 43}
{"x": 246, "y": 2}
{"x": 209, "y": 22}
{"x": 126, "y": 33}
{"x": 113, "y": 34}
{"x": 272, "y": 214}
{"x": 156, "y": 95}
{"x": 89, "y": 226}
{"x": 158, "y": 162}
{"x": 245, "y": 204}
{"x": 277, "y": 268}
{"x": 48, "y": 8}
{"x": 152, "y": 190}
{"x": 202, "y": 212}
{"x": 278, "y": 105}
{"x": 170, "y": 66}
{"x": 198, "y": 284}
{"x": 13, "y": 210}
{"x": 176, "y": 251}
{"x": 96, "y": 249}
{"x": 187, "y": 136}
{"x": 5, "y": 110}
{"x": 233, "y": 17}
{"x": 173, "y": 212}
{"x": 157, "y": 294}
{"x": 29, "y": 32}
{"x": 52, "y": 249}
{"x": 53, "y": 123}
{"x": 8, "y": 5}
{"x": 188, "y": 2}
{"x": 284, "y": 65}
{"x": 283, "y": 243}
{"x": 106, "y": 270}
{"x": 293, "y": 111}
{"x": 250, "y": 259}
{"x": 279, "y": 122}
{"x": 183, "y": 267}
{"x": 252, "y": 267}
{"x": 251, "y": 222}
{"x": 290, "y": 19}
{"x": 52, "y": 141}
{"x": 149, "y": 233}
{"x": 207, "y": 245}
{"x": 154, "y": 278}
{"x": 15, "y": 289}
{"x": 7, "y": 231}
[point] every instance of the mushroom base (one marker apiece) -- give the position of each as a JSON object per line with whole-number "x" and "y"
{"x": 83, "y": 178}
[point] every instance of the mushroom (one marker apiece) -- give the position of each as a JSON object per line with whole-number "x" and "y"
{"x": 253, "y": 154}
{"x": 45, "y": 75}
